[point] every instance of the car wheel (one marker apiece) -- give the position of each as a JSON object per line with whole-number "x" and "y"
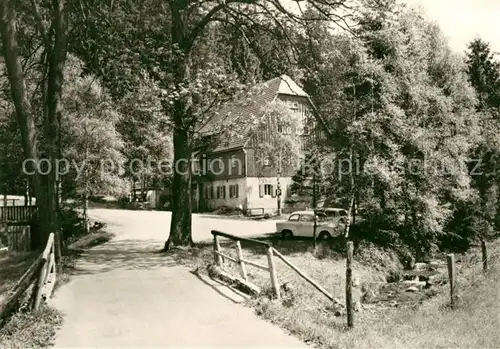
{"x": 287, "y": 234}
{"x": 324, "y": 235}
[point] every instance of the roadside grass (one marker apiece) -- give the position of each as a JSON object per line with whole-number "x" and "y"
{"x": 309, "y": 315}
{"x": 90, "y": 240}
{"x": 37, "y": 329}
{"x": 25, "y": 329}
{"x": 31, "y": 330}
{"x": 12, "y": 266}
{"x": 474, "y": 324}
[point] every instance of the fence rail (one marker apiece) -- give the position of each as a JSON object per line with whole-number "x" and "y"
{"x": 271, "y": 253}
{"x": 41, "y": 274}
{"x": 218, "y": 255}
{"x": 16, "y": 213}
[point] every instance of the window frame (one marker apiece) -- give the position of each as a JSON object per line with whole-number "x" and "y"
{"x": 270, "y": 187}
{"x": 294, "y": 215}
{"x": 309, "y": 216}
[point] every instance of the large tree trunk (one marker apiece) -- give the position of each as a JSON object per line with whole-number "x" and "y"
{"x": 56, "y": 60}
{"x": 181, "y": 115}
{"x": 24, "y": 115}
{"x": 180, "y": 227}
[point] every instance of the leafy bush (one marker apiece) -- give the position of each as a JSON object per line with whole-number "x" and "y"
{"x": 72, "y": 225}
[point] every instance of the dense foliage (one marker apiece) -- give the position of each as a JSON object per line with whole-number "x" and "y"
{"x": 410, "y": 125}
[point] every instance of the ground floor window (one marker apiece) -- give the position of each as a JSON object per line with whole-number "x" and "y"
{"x": 221, "y": 192}
{"x": 234, "y": 191}
{"x": 266, "y": 190}
{"x": 209, "y": 192}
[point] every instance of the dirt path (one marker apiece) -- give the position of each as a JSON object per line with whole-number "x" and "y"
{"x": 123, "y": 295}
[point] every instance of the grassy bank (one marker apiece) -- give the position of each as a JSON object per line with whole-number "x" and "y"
{"x": 12, "y": 267}
{"x": 37, "y": 329}
{"x": 426, "y": 323}
{"x": 431, "y": 325}
{"x": 31, "y": 330}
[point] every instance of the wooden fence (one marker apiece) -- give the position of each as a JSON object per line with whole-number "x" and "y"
{"x": 17, "y": 237}
{"x": 271, "y": 253}
{"x": 16, "y": 214}
{"x": 41, "y": 274}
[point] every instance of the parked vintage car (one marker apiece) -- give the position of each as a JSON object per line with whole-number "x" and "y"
{"x": 301, "y": 223}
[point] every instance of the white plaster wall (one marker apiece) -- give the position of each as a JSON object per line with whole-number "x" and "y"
{"x": 267, "y": 202}
{"x": 213, "y": 204}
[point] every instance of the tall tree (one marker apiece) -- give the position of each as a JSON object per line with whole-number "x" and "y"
{"x": 190, "y": 86}
{"x": 399, "y": 116}
{"x": 484, "y": 75}
{"x": 53, "y": 40}
{"x": 92, "y": 148}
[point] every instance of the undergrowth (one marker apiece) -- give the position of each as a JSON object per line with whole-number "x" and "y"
{"x": 31, "y": 330}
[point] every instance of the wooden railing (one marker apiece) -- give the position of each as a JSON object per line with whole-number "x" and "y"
{"x": 47, "y": 274}
{"x": 16, "y": 214}
{"x": 218, "y": 256}
{"x": 42, "y": 273}
{"x": 271, "y": 253}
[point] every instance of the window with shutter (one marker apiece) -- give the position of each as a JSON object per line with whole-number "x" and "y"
{"x": 273, "y": 192}
{"x": 261, "y": 190}
{"x": 223, "y": 192}
{"x": 233, "y": 191}
{"x": 268, "y": 189}
{"x": 237, "y": 191}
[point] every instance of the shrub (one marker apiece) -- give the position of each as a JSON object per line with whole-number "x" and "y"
{"x": 72, "y": 225}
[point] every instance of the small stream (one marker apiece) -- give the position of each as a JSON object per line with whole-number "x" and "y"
{"x": 413, "y": 287}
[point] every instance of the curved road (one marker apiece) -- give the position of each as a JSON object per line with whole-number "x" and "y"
{"x": 154, "y": 225}
{"x": 123, "y": 295}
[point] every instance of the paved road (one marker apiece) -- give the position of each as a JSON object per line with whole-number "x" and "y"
{"x": 123, "y": 295}
{"x": 154, "y": 225}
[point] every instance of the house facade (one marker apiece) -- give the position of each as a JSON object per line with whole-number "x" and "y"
{"x": 231, "y": 174}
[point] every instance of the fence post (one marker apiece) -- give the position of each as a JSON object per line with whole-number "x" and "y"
{"x": 272, "y": 271}
{"x": 451, "y": 275}
{"x": 37, "y": 290}
{"x": 217, "y": 257}
{"x": 240, "y": 261}
{"x": 348, "y": 284}
{"x": 484, "y": 253}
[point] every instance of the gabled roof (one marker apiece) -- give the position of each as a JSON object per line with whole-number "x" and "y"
{"x": 251, "y": 104}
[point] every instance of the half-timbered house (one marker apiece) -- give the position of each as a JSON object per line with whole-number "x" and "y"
{"x": 230, "y": 173}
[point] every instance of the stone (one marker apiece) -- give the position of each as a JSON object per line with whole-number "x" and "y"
{"x": 421, "y": 266}
{"x": 368, "y": 297}
{"x": 287, "y": 287}
{"x": 410, "y": 262}
{"x": 412, "y": 289}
